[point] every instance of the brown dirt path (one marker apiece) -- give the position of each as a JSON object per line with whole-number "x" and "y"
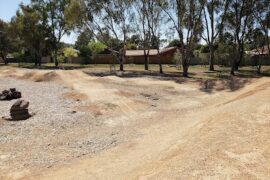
{"x": 172, "y": 130}
{"x": 224, "y": 140}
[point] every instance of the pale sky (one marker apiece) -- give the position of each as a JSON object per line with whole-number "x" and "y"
{"x": 8, "y": 9}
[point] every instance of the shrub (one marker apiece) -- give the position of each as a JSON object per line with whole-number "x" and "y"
{"x": 70, "y": 52}
{"x": 96, "y": 47}
{"x": 131, "y": 46}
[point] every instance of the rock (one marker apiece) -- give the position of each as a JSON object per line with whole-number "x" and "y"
{"x": 19, "y": 110}
{"x": 12, "y": 89}
{"x": 10, "y": 94}
{"x": 19, "y": 105}
{"x": 19, "y": 113}
{"x": 20, "y": 117}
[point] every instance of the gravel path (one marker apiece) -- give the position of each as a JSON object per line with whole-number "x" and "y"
{"x": 55, "y": 135}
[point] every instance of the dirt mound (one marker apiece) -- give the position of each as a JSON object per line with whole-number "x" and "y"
{"x": 93, "y": 108}
{"x": 250, "y": 93}
{"x": 76, "y": 96}
{"x": 41, "y": 77}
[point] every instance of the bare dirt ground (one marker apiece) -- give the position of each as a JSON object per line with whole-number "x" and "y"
{"x": 90, "y": 126}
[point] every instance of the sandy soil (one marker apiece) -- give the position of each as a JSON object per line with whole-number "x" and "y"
{"x": 166, "y": 129}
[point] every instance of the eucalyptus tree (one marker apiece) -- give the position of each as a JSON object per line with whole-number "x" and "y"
{"x": 214, "y": 14}
{"x": 4, "y": 40}
{"x": 239, "y": 19}
{"x": 186, "y": 18}
{"x": 256, "y": 40}
{"x": 58, "y": 23}
{"x": 82, "y": 42}
{"x": 155, "y": 21}
{"x": 258, "y": 37}
{"x": 57, "y": 16}
{"x": 261, "y": 13}
{"x": 143, "y": 29}
{"x": 110, "y": 18}
{"x": 32, "y": 31}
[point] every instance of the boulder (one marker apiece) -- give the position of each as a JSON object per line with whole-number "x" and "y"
{"x": 19, "y": 105}
{"x": 10, "y": 94}
{"x": 19, "y": 110}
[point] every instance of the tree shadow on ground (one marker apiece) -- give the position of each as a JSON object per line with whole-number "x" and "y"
{"x": 170, "y": 76}
{"x": 227, "y": 82}
{"x": 231, "y": 84}
{"x": 220, "y": 81}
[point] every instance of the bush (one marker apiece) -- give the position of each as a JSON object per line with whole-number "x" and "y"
{"x": 131, "y": 46}
{"x": 174, "y": 43}
{"x": 70, "y": 52}
{"x": 85, "y": 51}
{"x": 61, "y": 59}
{"x": 97, "y": 47}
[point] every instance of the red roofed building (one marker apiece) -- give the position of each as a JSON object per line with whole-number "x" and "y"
{"x": 137, "y": 56}
{"x": 262, "y": 51}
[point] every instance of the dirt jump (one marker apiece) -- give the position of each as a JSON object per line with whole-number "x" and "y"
{"x": 108, "y": 127}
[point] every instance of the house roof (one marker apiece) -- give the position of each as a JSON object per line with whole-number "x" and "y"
{"x": 260, "y": 51}
{"x": 152, "y": 52}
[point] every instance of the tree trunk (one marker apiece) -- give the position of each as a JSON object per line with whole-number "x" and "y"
{"x": 121, "y": 60}
{"x": 233, "y": 66}
{"x": 240, "y": 56}
{"x": 36, "y": 59}
{"x": 232, "y": 70}
{"x": 55, "y": 58}
{"x": 212, "y": 57}
{"x": 259, "y": 67}
{"x": 185, "y": 71}
{"x": 121, "y": 64}
{"x": 160, "y": 63}
{"x": 237, "y": 64}
{"x": 39, "y": 59}
{"x": 5, "y": 59}
{"x": 185, "y": 66}
{"x": 160, "y": 68}
{"x": 146, "y": 62}
{"x": 122, "y": 56}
